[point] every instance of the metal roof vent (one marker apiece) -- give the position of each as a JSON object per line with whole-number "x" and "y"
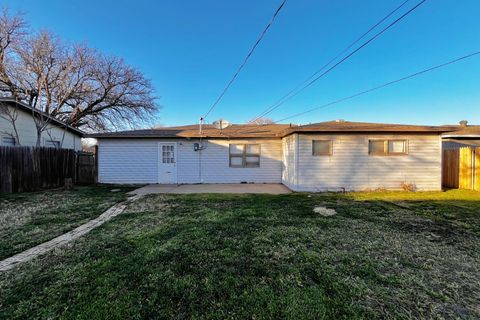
{"x": 221, "y": 124}
{"x": 463, "y": 123}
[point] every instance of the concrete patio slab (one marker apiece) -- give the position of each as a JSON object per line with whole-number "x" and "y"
{"x": 213, "y": 188}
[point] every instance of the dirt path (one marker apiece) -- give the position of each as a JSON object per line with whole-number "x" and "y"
{"x": 34, "y": 252}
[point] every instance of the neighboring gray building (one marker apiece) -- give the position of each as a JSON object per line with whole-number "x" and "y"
{"x": 57, "y": 134}
{"x": 334, "y": 155}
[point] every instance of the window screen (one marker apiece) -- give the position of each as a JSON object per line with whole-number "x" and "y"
{"x": 244, "y": 155}
{"x": 322, "y": 147}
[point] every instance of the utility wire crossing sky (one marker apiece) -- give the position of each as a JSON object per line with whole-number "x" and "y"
{"x": 189, "y": 49}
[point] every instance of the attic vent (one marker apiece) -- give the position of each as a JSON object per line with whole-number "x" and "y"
{"x": 340, "y": 120}
{"x": 463, "y": 123}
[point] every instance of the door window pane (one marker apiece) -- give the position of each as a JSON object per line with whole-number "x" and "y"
{"x": 168, "y": 154}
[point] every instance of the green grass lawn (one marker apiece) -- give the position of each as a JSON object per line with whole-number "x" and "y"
{"x": 30, "y": 218}
{"x": 383, "y": 255}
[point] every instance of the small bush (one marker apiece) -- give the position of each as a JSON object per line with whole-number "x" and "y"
{"x": 409, "y": 187}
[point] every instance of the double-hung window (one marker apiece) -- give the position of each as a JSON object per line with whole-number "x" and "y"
{"x": 244, "y": 155}
{"x": 387, "y": 147}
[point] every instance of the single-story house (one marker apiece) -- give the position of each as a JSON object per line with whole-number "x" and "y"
{"x": 20, "y": 116}
{"x": 334, "y": 155}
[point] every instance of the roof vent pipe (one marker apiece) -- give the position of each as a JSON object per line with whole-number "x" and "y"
{"x": 463, "y": 123}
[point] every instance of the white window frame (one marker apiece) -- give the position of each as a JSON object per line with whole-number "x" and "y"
{"x": 244, "y": 155}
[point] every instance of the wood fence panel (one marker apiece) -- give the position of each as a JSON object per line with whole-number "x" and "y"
{"x": 86, "y": 168}
{"x": 465, "y": 179}
{"x": 31, "y": 168}
{"x": 451, "y": 168}
{"x": 477, "y": 169}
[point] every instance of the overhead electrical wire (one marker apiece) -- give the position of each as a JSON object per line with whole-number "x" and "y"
{"x": 262, "y": 35}
{"x": 382, "y": 86}
{"x": 316, "y": 77}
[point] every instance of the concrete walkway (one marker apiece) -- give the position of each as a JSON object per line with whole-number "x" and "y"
{"x": 34, "y": 252}
{"x": 267, "y": 188}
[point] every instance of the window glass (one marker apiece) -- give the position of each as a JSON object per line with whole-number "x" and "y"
{"x": 253, "y": 161}
{"x": 8, "y": 141}
{"x": 236, "y": 148}
{"x": 52, "y": 144}
{"x": 397, "y": 146}
{"x": 245, "y": 155}
{"x": 376, "y": 147}
{"x": 253, "y": 148}
{"x": 236, "y": 161}
{"x": 168, "y": 154}
{"x": 322, "y": 147}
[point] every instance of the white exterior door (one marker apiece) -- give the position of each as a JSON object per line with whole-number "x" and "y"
{"x": 167, "y": 164}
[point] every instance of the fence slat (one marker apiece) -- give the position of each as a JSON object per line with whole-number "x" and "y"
{"x": 31, "y": 168}
{"x": 477, "y": 169}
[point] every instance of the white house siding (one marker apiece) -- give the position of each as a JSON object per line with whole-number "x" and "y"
{"x": 352, "y": 168}
{"x": 28, "y": 134}
{"x": 289, "y": 145}
{"x": 212, "y": 164}
{"x": 128, "y": 161}
{"x": 136, "y": 161}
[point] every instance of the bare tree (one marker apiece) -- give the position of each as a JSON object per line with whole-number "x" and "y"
{"x": 261, "y": 121}
{"x": 71, "y": 82}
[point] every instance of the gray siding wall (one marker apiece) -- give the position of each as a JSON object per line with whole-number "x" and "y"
{"x": 352, "y": 168}
{"x": 28, "y": 134}
{"x": 136, "y": 161}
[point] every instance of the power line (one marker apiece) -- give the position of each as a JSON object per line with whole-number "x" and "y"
{"x": 246, "y": 59}
{"x": 382, "y": 86}
{"x": 311, "y": 82}
{"x": 333, "y": 59}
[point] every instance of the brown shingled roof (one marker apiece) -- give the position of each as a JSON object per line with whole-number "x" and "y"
{"x": 272, "y": 130}
{"x": 208, "y": 131}
{"x": 464, "y": 132}
{"x": 347, "y": 126}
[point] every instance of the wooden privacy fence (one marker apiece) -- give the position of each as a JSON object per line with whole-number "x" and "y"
{"x": 461, "y": 168}
{"x": 32, "y": 168}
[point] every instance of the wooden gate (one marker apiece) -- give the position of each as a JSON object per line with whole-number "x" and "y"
{"x": 86, "y": 168}
{"x": 461, "y": 168}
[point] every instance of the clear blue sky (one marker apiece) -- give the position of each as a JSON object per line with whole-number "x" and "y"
{"x": 190, "y": 49}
